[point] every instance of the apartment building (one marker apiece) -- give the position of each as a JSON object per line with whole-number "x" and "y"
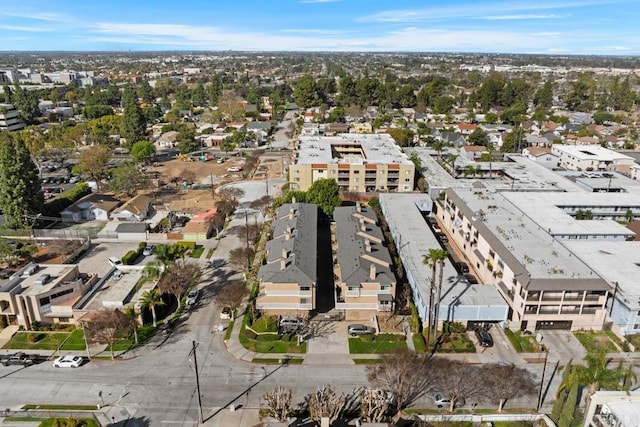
{"x": 358, "y": 163}
{"x": 591, "y": 158}
{"x": 545, "y": 284}
{"x": 613, "y": 409}
{"x": 288, "y": 276}
{"x": 362, "y": 266}
{"x": 43, "y": 293}
{"x": 10, "y": 118}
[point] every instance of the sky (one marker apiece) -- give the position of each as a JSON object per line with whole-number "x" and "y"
{"x": 578, "y": 27}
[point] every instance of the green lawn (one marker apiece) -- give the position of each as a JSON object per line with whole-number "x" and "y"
{"x": 50, "y": 341}
{"x": 523, "y": 343}
{"x": 419, "y": 342}
{"x": 61, "y": 407}
{"x": 456, "y": 343}
{"x": 75, "y": 341}
{"x": 593, "y": 341}
{"x": 249, "y": 341}
{"x": 87, "y": 422}
{"x": 634, "y": 340}
{"x": 377, "y": 344}
{"x": 265, "y": 324}
{"x": 197, "y": 252}
{"x": 227, "y": 333}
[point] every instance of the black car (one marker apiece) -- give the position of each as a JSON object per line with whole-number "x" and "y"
{"x": 17, "y": 359}
{"x": 463, "y": 267}
{"x": 484, "y": 338}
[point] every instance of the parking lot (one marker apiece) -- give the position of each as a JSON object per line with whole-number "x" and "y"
{"x": 96, "y": 259}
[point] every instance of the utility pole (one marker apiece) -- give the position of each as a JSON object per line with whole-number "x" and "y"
{"x": 195, "y": 363}
{"x": 246, "y": 226}
{"x": 86, "y": 344}
{"x": 544, "y": 369}
{"x": 213, "y": 190}
{"x": 613, "y": 299}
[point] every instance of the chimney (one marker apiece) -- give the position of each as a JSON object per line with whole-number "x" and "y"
{"x": 363, "y": 227}
{"x": 284, "y": 253}
{"x": 283, "y": 264}
{"x": 293, "y": 199}
{"x": 372, "y": 271}
{"x": 358, "y": 207}
{"x": 367, "y": 245}
{"x": 291, "y": 212}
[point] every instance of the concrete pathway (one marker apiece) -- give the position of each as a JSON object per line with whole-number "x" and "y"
{"x": 7, "y": 333}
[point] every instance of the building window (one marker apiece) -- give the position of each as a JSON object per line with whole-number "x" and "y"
{"x": 303, "y": 300}
{"x": 636, "y": 326}
{"x": 407, "y": 179}
{"x": 305, "y": 288}
{"x": 296, "y": 171}
{"x": 352, "y": 288}
{"x": 320, "y": 170}
{"x": 356, "y": 171}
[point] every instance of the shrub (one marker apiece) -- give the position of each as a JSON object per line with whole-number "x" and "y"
{"x": 267, "y": 337}
{"x": 34, "y": 337}
{"x": 130, "y": 257}
{"x": 3, "y": 322}
{"x": 142, "y": 245}
{"x": 186, "y": 245}
{"x": 60, "y": 203}
{"x": 454, "y": 328}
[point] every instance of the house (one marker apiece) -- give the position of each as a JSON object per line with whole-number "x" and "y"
{"x": 362, "y": 128}
{"x": 474, "y": 152}
{"x": 542, "y": 155}
{"x": 45, "y": 293}
{"x": 166, "y": 140}
{"x": 199, "y": 226}
{"x": 136, "y": 209}
{"x": 261, "y": 129}
{"x": 288, "y": 278}
{"x": 364, "y": 279}
{"x": 465, "y": 128}
{"x": 91, "y": 207}
{"x": 332, "y": 129}
{"x": 449, "y": 137}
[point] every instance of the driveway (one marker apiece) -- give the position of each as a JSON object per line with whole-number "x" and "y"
{"x": 95, "y": 260}
{"x": 501, "y": 350}
{"x": 563, "y": 346}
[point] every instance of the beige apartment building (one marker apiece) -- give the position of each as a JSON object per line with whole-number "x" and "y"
{"x": 43, "y": 293}
{"x": 289, "y": 274}
{"x": 358, "y": 163}
{"x": 10, "y": 118}
{"x": 544, "y": 283}
{"x": 364, "y": 281}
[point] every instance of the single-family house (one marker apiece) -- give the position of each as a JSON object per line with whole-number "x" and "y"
{"x": 136, "y": 209}
{"x": 542, "y": 155}
{"x": 92, "y": 206}
{"x": 473, "y": 152}
{"x": 199, "y": 226}
{"x": 167, "y": 140}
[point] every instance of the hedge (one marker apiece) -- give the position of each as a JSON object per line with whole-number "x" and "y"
{"x": 66, "y": 199}
{"x": 130, "y": 257}
{"x": 187, "y": 245}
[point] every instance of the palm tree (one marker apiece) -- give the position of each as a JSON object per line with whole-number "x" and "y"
{"x": 130, "y": 312}
{"x": 152, "y": 271}
{"x": 595, "y": 374}
{"x": 471, "y": 170}
{"x": 490, "y": 149}
{"x": 438, "y": 146}
{"x": 434, "y": 258}
{"x": 451, "y": 159}
{"x": 152, "y": 299}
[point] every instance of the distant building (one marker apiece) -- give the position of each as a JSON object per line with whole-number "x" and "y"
{"x": 358, "y": 163}
{"x": 592, "y": 158}
{"x": 613, "y": 409}
{"x": 10, "y": 118}
{"x": 542, "y": 155}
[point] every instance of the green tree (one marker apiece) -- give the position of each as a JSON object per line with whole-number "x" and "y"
{"x": 478, "y": 137}
{"x": 599, "y": 117}
{"x": 306, "y": 92}
{"x": 415, "y": 158}
{"x": 581, "y": 97}
{"x": 326, "y": 194}
{"x": 93, "y": 162}
{"x": 186, "y": 142}
{"x": 544, "y": 96}
{"x": 144, "y": 91}
{"x": 402, "y": 136}
{"x": 27, "y": 102}
{"x": 21, "y": 194}
{"x": 443, "y": 104}
{"x": 134, "y": 124}
{"x": 128, "y": 178}
{"x": 595, "y": 374}
{"x": 142, "y": 150}
{"x": 152, "y": 299}
{"x": 132, "y": 315}
{"x": 96, "y": 111}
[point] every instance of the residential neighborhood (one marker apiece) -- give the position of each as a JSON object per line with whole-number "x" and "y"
{"x": 423, "y": 237}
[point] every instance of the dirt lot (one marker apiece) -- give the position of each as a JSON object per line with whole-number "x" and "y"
{"x": 205, "y": 173}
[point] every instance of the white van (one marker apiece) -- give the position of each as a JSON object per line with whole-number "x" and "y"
{"x": 115, "y": 261}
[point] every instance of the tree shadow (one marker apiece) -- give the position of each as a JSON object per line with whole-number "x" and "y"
{"x": 132, "y": 422}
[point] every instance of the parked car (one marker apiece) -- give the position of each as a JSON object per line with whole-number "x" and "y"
{"x": 225, "y": 313}
{"x": 484, "y": 338}
{"x": 234, "y": 169}
{"x": 74, "y": 179}
{"x": 114, "y": 261}
{"x": 290, "y": 323}
{"x": 68, "y": 361}
{"x": 148, "y": 250}
{"x": 358, "y": 329}
{"x": 442, "y": 401}
{"x": 192, "y": 298}
{"x": 17, "y": 359}
{"x": 463, "y": 267}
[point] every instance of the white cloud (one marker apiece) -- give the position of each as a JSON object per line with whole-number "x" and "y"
{"x": 522, "y": 16}
{"x": 41, "y": 16}
{"x": 478, "y": 10}
{"x": 24, "y": 29}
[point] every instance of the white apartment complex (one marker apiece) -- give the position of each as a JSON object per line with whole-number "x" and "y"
{"x": 592, "y": 158}
{"x": 10, "y": 118}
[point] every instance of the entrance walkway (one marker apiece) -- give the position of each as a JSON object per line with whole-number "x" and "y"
{"x": 7, "y": 333}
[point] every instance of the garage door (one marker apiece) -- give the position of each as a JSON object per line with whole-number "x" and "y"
{"x": 554, "y": 324}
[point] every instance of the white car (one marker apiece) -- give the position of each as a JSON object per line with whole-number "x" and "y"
{"x": 148, "y": 250}
{"x": 67, "y": 361}
{"x": 225, "y": 313}
{"x": 234, "y": 169}
{"x": 193, "y": 297}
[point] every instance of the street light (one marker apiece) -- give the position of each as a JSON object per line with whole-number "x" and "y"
{"x": 544, "y": 369}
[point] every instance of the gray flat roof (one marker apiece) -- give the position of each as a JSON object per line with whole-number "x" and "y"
{"x": 414, "y": 238}
{"x": 524, "y": 245}
{"x": 373, "y": 149}
{"x": 615, "y": 262}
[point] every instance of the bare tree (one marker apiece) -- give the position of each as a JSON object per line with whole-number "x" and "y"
{"x": 232, "y": 296}
{"x": 240, "y": 257}
{"x": 108, "y": 327}
{"x": 226, "y": 207}
{"x": 405, "y": 374}
{"x": 325, "y": 403}
{"x": 262, "y": 203}
{"x": 458, "y": 380}
{"x": 250, "y": 231}
{"x": 278, "y": 403}
{"x": 178, "y": 277}
{"x": 507, "y": 382}
{"x": 375, "y": 405}
{"x": 231, "y": 193}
